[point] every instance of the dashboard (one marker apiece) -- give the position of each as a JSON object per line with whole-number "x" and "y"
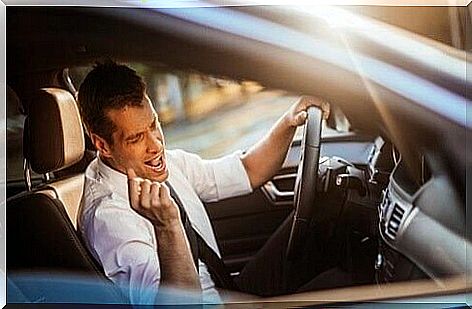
{"x": 421, "y": 220}
{"x": 410, "y": 213}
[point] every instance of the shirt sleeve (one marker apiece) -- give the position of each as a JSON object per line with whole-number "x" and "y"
{"x": 124, "y": 243}
{"x": 214, "y": 179}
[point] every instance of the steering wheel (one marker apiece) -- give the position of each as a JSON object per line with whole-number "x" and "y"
{"x": 305, "y": 183}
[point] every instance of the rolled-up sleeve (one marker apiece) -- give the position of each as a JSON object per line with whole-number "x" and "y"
{"x": 215, "y": 179}
{"x": 230, "y": 176}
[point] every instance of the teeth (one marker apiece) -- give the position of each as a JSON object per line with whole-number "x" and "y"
{"x": 156, "y": 164}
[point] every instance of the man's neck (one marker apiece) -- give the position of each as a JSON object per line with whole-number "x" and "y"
{"x": 111, "y": 164}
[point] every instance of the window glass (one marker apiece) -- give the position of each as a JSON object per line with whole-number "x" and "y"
{"x": 15, "y": 123}
{"x": 207, "y": 115}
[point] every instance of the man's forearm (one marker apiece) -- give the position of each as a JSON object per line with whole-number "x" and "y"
{"x": 266, "y": 157}
{"x": 175, "y": 258}
{"x": 152, "y": 200}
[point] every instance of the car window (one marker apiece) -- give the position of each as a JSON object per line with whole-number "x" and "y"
{"x": 14, "y": 136}
{"x": 207, "y": 115}
{"x": 15, "y": 123}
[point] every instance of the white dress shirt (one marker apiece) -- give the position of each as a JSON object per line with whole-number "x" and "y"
{"x": 125, "y": 243}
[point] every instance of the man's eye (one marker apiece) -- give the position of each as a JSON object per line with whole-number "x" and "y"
{"x": 136, "y": 139}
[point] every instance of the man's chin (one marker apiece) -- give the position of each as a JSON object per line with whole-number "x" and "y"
{"x": 163, "y": 177}
{"x": 159, "y": 177}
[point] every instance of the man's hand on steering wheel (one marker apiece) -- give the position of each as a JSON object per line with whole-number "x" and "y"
{"x": 297, "y": 114}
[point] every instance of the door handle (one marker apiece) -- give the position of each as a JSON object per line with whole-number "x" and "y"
{"x": 276, "y": 196}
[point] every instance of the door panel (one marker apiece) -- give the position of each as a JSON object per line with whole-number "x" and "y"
{"x": 243, "y": 224}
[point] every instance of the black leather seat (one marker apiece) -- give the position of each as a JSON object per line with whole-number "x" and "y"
{"x": 41, "y": 224}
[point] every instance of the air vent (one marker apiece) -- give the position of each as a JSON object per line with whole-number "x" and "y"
{"x": 395, "y": 219}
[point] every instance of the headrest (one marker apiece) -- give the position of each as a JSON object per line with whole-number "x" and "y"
{"x": 53, "y": 136}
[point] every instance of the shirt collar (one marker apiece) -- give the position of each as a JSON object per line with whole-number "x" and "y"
{"x": 117, "y": 180}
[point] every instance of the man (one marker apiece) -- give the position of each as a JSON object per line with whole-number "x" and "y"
{"x": 129, "y": 219}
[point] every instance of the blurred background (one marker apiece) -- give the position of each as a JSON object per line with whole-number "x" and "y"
{"x": 207, "y": 115}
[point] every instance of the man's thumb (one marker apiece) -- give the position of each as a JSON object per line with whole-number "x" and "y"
{"x": 300, "y": 118}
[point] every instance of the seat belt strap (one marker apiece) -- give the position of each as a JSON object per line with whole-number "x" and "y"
{"x": 201, "y": 250}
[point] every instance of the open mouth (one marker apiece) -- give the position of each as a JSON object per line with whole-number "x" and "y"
{"x": 157, "y": 164}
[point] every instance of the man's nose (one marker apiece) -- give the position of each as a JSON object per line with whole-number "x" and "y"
{"x": 154, "y": 144}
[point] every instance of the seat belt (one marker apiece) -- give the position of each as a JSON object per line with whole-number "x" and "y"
{"x": 201, "y": 250}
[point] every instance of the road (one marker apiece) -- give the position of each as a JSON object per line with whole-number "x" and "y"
{"x": 229, "y": 129}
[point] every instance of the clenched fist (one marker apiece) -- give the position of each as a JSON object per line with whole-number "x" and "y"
{"x": 152, "y": 200}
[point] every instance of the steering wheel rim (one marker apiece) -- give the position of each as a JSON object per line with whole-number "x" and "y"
{"x": 305, "y": 183}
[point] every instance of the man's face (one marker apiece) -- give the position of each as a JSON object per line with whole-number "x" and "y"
{"x": 138, "y": 142}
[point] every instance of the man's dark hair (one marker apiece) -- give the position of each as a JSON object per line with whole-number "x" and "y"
{"x": 108, "y": 86}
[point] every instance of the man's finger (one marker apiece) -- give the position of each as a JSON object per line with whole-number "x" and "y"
{"x": 165, "y": 194}
{"x": 301, "y": 117}
{"x": 155, "y": 188}
{"x": 311, "y": 101}
{"x": 319, "y": 102}
{"x": 145, "y": 197}
{"x": 306, "y": 102}
{"x": 131, "y": 173}
{"x": 326, "y": 109}
{"x": 134, "y": 188}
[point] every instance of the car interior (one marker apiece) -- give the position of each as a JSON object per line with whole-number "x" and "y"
{"x": 382, "y": 203}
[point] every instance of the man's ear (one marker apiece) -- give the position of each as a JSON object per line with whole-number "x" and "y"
{"x": 101, "y": 145}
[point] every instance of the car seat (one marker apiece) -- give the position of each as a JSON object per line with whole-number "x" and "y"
{"x": 42, "y": 222}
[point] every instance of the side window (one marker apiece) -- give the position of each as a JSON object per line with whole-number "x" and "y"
{"x": 14, "y": 149}
{"x": 207, "y": 115}
{"x": 15, "y": 123}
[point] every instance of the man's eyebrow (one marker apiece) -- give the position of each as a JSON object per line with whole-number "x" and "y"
{"x": 133, "y": 136}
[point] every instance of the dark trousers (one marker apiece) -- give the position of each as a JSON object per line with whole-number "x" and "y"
{"x": 269, "y": 273}
{"x": 266, "y": 274}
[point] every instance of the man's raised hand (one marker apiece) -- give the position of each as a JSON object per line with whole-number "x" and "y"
{"x": 152, "y": 200}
